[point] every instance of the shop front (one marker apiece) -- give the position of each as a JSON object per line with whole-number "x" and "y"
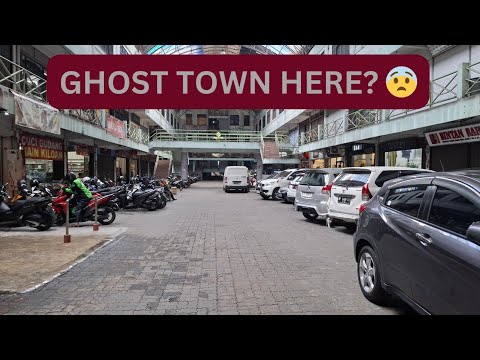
{"x": 105, "y": 164}
{"x": 454, "y": 148}
{"x": 43, "y": 157}
{"x": 79, "y": 159}
{"x": 334, "y": 157}
{"x": 362, "y": 155}
{"x": 410, "y": 152}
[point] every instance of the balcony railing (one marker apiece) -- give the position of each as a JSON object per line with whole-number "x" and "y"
{"x": 22, "y": 80}
{"x": 137, "y": 134}
{"x": 207, "y": 135}
{"x": 474, "y": 80}
{"x": 362, "y": 118}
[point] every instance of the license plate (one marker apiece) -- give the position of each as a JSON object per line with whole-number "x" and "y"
{"x": 343, "y": 200}
{"x": 307, "y": 195}
{"x": 237, "y": 182}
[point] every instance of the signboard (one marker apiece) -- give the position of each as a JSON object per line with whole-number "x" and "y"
{"x": 458, "y": 135}
{"x": 41, "y": 147}
{"x": 236, "y": 82}
{"x": 114, "y": 126}
{"x": 83, "y": 150}
{"x": 36, "y": 115}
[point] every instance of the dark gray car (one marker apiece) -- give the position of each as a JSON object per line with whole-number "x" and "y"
{"x": 419, "y": 239}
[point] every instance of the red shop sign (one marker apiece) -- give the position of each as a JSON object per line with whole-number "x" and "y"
{"x": 41, "y": 147}
{"x": 115, "y": 127}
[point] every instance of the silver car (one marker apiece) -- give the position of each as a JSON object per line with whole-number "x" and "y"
{"x": 313, "y": 192}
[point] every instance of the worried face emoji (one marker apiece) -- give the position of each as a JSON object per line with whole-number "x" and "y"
{"x": 401, "y": 82}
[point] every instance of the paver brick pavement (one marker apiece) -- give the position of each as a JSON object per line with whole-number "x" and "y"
{"x": 210, "y": 253}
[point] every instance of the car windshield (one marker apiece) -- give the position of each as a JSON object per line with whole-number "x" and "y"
{"x": 281, "y": 175}
{"x": 314, "y": 179}
{"x": 353, "y": 178}
{"x": 298, "y": 178}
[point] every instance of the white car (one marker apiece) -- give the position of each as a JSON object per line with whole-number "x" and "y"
{"x": 292, "y": 188}
{"x": 270, "y": 187}
{"x": 235, "y": 178}
{"x": 357, "y": 185}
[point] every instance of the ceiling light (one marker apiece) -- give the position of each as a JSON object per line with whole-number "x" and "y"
{"x": 217, "y": 155}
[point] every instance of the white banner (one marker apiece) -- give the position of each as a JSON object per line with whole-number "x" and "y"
{"x": 458, "y": 135}
{"x": 36, "y": 115}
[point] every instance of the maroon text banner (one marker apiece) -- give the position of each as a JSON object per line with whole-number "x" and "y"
{"x": 238, "y": 82}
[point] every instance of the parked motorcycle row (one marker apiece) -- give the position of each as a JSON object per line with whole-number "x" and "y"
{"x": 39, "y": 208}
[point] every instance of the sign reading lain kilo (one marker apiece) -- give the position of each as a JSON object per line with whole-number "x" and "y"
{"x": 40, "y": 147}
{"x": 463, "y": 134}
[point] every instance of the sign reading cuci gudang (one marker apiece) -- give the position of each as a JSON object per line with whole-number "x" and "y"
{"x": 41, "y": 147}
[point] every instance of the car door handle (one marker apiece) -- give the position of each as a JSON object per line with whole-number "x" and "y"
{"x": 424, "y": 239}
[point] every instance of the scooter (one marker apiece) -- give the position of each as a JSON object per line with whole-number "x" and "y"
{"x": 106, "y": 215}
{"x": 33, "y": 212}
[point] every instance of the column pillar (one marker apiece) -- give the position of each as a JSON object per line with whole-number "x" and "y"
{"x": 259, "y": 167}
{"x": 95, "y": 160}
{"x": 184, "y": 170}
{"x": 462, "y": 82}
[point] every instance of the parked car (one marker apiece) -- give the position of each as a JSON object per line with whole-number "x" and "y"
{"x": 270, "y": 187}
{"x": 292, "y": 188}
{"x": 357, "y": 185}
{"x": 235, "y": 178}
{"x": 419, "y": 239}
{"x": 282, "y": 193}
{"x": 313, "y": 192}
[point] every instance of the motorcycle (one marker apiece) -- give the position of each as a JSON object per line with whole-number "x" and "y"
{"x": 33, "y": 211}
{"x": 136, "y": 198}
{"x": 106, "y": 215}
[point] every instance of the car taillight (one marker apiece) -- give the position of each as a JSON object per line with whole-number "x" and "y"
{"x": 361, "y": 208}
{"x": 225, "y": 179}
{"x": 366, "y": 195}
{"x": 327, "y": 189}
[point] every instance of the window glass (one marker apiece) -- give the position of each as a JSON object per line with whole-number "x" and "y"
{"x": 353, "y": 179}
{"x": 406, "y": 199}
{"x": 246, "y": 120}
{"x": 314, "y": 179}
{"x": 235, "y": 120}
{"x": 281, "y": 175}
{"x": 385, "y": 176}
{"x": 453, "y": 211}
{"x": 188, "y": 119}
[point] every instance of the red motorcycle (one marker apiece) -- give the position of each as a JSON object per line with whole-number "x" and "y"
{"x": 106, "y": 215}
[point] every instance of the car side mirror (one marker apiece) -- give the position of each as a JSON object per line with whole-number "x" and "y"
{"x": 290, "y": 178}
{"x": 473, "y": 232}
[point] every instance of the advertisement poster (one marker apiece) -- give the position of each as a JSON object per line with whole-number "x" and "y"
{"x": 35, "y": 115}
{"x": 115, "y": 127}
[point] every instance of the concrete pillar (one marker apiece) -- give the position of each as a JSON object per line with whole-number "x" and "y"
{"x": 377, "y": 153}
{"x": 95, "y": 160}
{"x": 184, "y": 170}
{"x": 65, "y": 156}
{"x": 462, "y": 83}
{"x": 139, "y": 170}
{"x": 259, "y": 167}
{"x": 148, "y": 166}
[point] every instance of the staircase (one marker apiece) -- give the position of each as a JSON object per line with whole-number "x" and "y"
{"x": 270, "y": 150}
{"x": 162, "y": 169}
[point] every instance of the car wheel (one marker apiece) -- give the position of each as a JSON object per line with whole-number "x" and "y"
{"x": 309, "y": 216}
{"x": 274, "y": 194}
{"x": 369, "y": 277}
{"x": 265, "y": 197}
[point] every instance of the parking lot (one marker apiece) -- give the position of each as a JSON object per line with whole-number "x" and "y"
{"x": 211, "y": 252}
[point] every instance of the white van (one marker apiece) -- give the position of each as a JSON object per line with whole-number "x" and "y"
{"x": 235, "y": 177}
